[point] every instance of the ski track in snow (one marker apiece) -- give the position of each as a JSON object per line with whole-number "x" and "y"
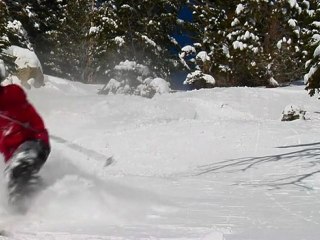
{"x": 211, "y": 164}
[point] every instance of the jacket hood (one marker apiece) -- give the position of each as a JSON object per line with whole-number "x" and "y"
{"x": 11, "y": 95}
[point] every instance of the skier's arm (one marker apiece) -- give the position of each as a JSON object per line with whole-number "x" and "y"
{"x": 36, "y": 124}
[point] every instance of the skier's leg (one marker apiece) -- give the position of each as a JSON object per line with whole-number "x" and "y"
{"x": 27, "y": 160}
{"x": 21, "y": 171}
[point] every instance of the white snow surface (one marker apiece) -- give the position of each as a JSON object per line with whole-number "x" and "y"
{"x": 214, "y": 164}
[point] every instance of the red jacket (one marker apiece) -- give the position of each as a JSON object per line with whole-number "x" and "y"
{"x": 19, "y": 121}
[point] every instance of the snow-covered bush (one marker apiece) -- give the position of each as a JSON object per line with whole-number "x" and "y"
{"x": 29, "y": 70}
{"x": 292, "y": 112}
{"x": 135, "y": 79}
{"x": 157, "y": 85}
{"x": 198, "y": 80}
{"x": 201, "y": 62}
{"x": 113, "y": 86}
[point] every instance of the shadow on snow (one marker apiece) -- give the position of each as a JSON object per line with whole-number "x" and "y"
{"x": 310, "y": 155}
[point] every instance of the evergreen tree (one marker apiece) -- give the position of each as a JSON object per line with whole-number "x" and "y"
{"x": 6, "y": 61}
{"x": 105, "y": 40}
{"x": 31, "y": 22}
{"x": 4, "y": 41}
{"x": 70, "y": 53}
{"x": 19, "y": 12}
{"x": 312, "y": 78}
{"x": 147, "y": 28}
{"x": 251, "y": 42}
{"x": 136, "y": 44}
{"x": 84, "y": 40}
{"x": 287, "y": 38}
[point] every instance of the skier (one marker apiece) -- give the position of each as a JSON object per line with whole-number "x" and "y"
{"x": 24, "y": 140}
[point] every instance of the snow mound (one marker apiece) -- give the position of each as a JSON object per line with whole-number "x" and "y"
{"x": 292, "y": 112}
{"x": 24, "y": 57}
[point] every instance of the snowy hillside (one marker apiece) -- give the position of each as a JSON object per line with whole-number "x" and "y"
{"x": 210, "y": 164}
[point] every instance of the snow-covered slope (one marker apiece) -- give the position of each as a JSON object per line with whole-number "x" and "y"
{"x": 209, "y": 164}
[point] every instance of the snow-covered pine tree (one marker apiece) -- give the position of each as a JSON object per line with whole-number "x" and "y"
{"x": 46, "y": 20}
{"x": 6, "y": 62}
{"x": 146, "y": 26}
{"x": 287, "y": 38}
{"x": 312, "y": 76}
{"x": 4, "y": 41}
{"x": 144, "y": 40}
{"x": 106, "y": 36}
{"x": 270, "y": 30}
{"x": 111, "y": 32}
{"x": 229, "y": 36}
{"x": 250, "y": 42}
{"x": 207, "y": 33}
{"x": 245, "y": 59}
{"x": 71, "y": 45}
{"x": 21, "y": 12}
{"x": 31, "y": 21}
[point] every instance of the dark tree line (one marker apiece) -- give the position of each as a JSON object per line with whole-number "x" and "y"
{"x": 235, "y": 43}
{"x": 255, "y": 43}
